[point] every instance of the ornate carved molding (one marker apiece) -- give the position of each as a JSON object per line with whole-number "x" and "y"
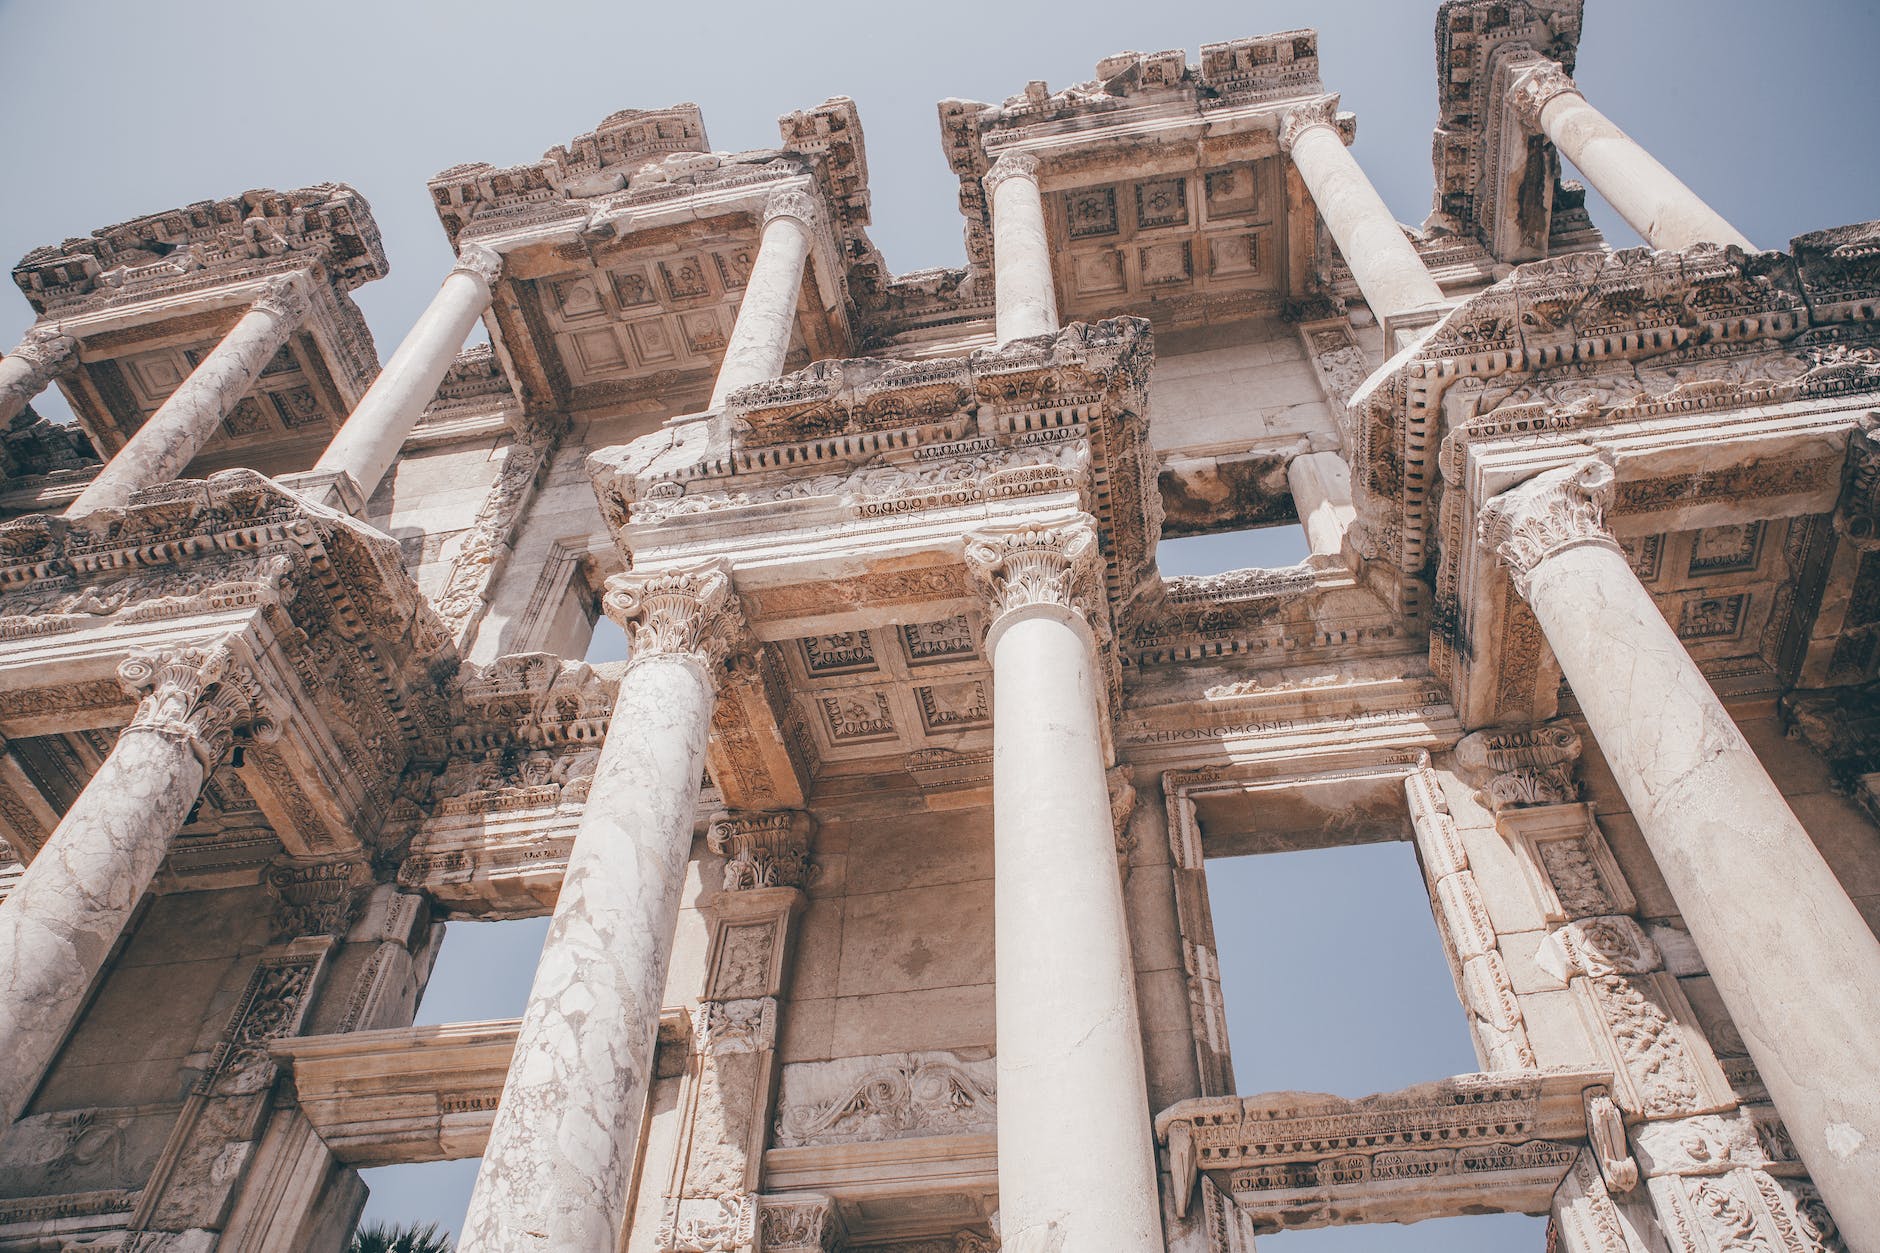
{"x": 1022, "y": 568}
{"x": 690, "y": 612}
{"x": 317, "y": 898}
{"x": 1010, "y": 165}
{"x": 891, "y": 1097}
{"x": 1303, "y": 117}
{"x": 1858, "y": 518}
{"x": 479, "y": 262}
{"x": 45, "y": 351}
{"x": 801, "y": 1222}
{"x": 794, "y": 203}
{"x": 286, "y": 300}
{"x": 746, "y": 1025}
{"x": 1519, "y": 766}
{"x": 1550, "y": 513}
{"x": 1535, "y": 86}
{"x": 762, "y": 850}
{"x": 200, "y": 695}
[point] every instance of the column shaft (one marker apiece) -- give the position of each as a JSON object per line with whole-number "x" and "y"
{"x": 1025, "y": 303}
{"x": 367, "y": 445}
{"x": 1076, "y": 1151}
{"x": 1791, "y": 956}
{"x": 1392, "y": 277}
{"x": 26, "y": 371}
{"x": 1321, "y": 492}
{"x": 72, "y": 904}
{"x": 186, "y": 421}
{"x": 560, "y": 1157}
{"x": 767, "y": 314}
{"x": 1652, "y": 200}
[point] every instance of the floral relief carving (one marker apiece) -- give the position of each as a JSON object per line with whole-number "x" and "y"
{"x": 201, "y": 695}
{"x": 691, "y": 612}
{"x": 884, "y": 1098}
{"x": 1553, "y": 511}
{"x": 762, "y": 850}
{"x": 1055, "y": 566}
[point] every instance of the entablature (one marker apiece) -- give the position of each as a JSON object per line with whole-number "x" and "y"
{"x": 148, "y": 299}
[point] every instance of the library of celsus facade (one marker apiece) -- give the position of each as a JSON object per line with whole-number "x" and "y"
{"x": 292, "y": 677}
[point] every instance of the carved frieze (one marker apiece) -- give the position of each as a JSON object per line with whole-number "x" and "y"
{"x": 889, "y": 1097}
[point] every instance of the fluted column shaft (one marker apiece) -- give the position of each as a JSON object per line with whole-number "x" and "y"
{"x": 367, "y": 445}
{"x": 71, "y": 906}
{"x": 1025, "y": 303}
{"x": 1394, "y": 280}
{"x": 761, "y": 339}
{"x": 1793, "y": 960}
{"x": 25, "y": 372}
{"x": 1076, "y": 1152}
{"x": 1652, "y": 200}
{"x": 560, "y": 1157}
{"x": 186, "y": 421}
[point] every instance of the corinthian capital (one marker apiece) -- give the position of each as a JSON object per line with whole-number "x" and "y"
{"x": 794, "y": 203}
{"x": 762, "y": 850}
{"x": 690, "y": 612}
{"x": 1010, "y": 165}
{"x": 46, "y": 348}
{"x": 1534, "y": 86}
{"x": 1303, "y": 117}
{"x": 201, "y": 695}
{"x": 483, "y": 264}
{"x": 286, "y": 299}
{"x": 1549, "y": 513}
{"x": 1057, "y": 565}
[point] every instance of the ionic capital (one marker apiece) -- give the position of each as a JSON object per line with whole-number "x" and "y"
{"x": 286, "y": 300}
{"x": 1534, "y": 87}
{"x": 690, "y": 612}
{"x": 1303, "y": 117}
{"x": 1010, "y": 165}
{"x": 47, "y": 349}
{"x": 1020, "y": 569}
{"x": 796, "y": 204}
{"x": 483, "y": 264}
{"x": 200, "y": 695}
{"x": 1548, "y": 514}
{"x": 762, "y": 850}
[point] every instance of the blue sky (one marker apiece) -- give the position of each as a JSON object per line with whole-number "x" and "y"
{"x": 115, "y": 109}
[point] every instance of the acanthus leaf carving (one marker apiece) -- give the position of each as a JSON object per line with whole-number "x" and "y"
{"x": 1018, "y": 569}
{"x": 690, "y": 612}
{"x": 762, "y": 850}
{"x": 1535, "y": 87}
{"x": 201, "y": 695}
{"x": 1550, "y": 513}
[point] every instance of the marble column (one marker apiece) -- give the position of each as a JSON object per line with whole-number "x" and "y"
{"x": 1321, "y": 492}
{"x": 560, "y": 1157}
{"x": 1651, "y": 199}
{"x": 1396, "y": 284}
{"x": 1076, "y": 1153}
{"x": 367, "y": 445}
{"x": 72, "y": 904}
{"x": 1793, "y": 960}
{"x": 767, "y": 314}
{"x": 176, "y": 432}
{"x": 25, "y": 372}
{"x": 1025, "y": 303}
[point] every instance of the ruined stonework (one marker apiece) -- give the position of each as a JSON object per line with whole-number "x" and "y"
{"x": 291, "y": 676}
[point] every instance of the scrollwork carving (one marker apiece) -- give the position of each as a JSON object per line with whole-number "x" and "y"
{"x": 1303, "y": 117}
{"x": 1523, "y": 766}
{"x": 769, "y": 850}
{"x": 481, "y": 263}
{"x": 689, "y": 612}
{"x": 1043, "y": 566}
{"x": 1550, "y": 513}
{"x": 1534, "y": 87}
{"x": 1010, "y": 165}
{"x": 201, "y": 695}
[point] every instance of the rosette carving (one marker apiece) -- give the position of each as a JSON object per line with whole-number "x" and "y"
{"x": 688, "y": 612}
{"x": 200, "y": 695}
{"x": 1550, "y": 513}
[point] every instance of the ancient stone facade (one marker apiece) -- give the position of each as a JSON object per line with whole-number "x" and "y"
{"x": 290, "y": 677}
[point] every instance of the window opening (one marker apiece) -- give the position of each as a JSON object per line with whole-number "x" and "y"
{"x": 483, "y": 971}
{"x": 1257, "y": 548}
{"x": 420, "y": 1193}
